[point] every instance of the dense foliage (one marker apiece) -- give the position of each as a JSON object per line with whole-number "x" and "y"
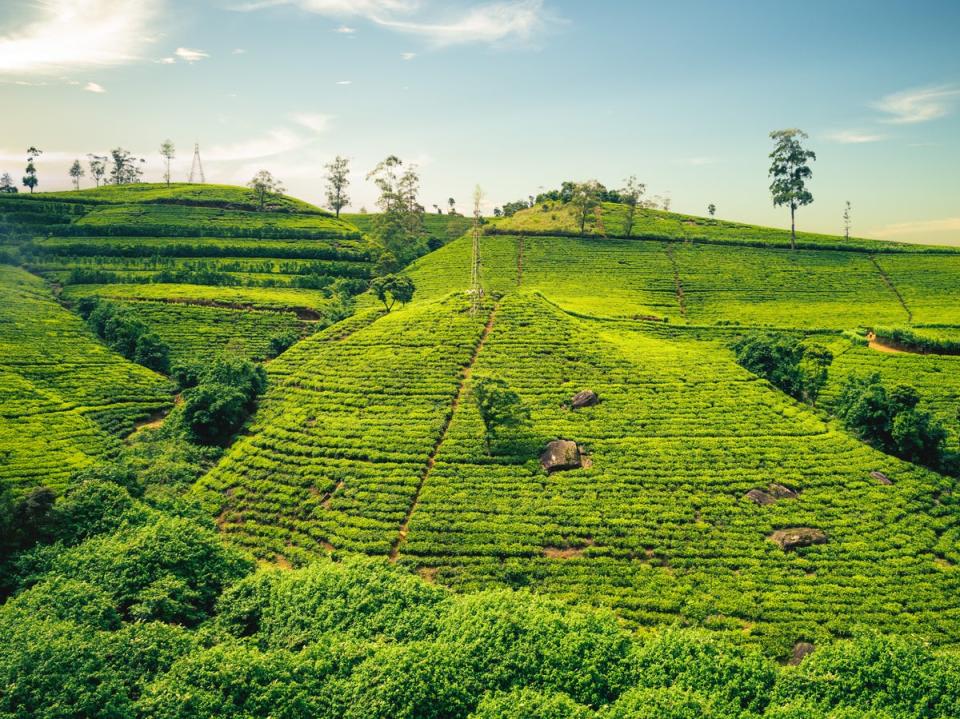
{"x": 124, "y": 332}
{"x": 797, "y": 368}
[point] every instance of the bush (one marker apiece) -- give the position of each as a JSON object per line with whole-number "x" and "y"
{"x": 124, "y": 333}
{"x": 783, "y": 360}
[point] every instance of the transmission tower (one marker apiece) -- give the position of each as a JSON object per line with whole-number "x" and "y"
{"x": 476, "y": 290}
{"x": 196, "y": 169}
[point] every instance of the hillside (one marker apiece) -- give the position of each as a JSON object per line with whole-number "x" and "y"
{"x": 368, "y": 439}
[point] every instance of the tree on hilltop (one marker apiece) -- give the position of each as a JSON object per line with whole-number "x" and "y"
{"x": 167, "y": 152}
{"x": 6, "y": 184}
{"x": 399, "y": 226}
{"x": 30, "y": 174}
{"x": 712, "y": 209}
{"x": 846, "y": 220}
{"x": 630, "y": 196}
{"x": 790, "y": 170}
{"x": 98, "y": 167}
{"x": 76, "y": 172}
{"x": 125, "y": 169}
{"x": 585, "y": 197}
{"x": 338, "y": 181}
{"x": 264, "y": 186}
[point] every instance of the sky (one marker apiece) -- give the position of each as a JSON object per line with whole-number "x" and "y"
{"x": 513, "y": 95}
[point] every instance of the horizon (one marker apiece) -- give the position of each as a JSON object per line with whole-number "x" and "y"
{"x": 516, "y": 96}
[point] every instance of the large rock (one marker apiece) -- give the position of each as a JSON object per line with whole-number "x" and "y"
{"x": 587, "y": 398}
{"x": 796, "y": 537}
{"x": 800, "y": 650}
{"x": 881, "y": 478}
{"x": 561, "y": 454}
{"x": 772, "y": 494}
{"x": 778, "y": 491}
{"x": 758, "y": 496}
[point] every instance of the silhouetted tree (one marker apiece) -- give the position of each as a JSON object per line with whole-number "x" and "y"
{"x": 790, "y": 170}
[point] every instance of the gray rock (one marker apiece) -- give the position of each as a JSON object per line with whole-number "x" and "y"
{"x": 758, "y": 496}
{"x": 586, "y": 398}
{"x": 778, "y": 491}
{"x": 881, "y": 478}
{"x": 800, "y": 650}
{"x": 561, "y": 454}
{"x": 796, "y": 537}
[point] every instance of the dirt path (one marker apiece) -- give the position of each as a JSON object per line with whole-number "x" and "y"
{"x": 681, "y": 300}
{"x": 893, "y": 288}
{"x": 875, "y": 344}
{"x": 432, "y": 458}
{"x": 520, "y": 246}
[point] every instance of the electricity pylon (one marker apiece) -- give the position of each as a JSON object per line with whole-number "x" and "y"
{"x": 196, "y": 169}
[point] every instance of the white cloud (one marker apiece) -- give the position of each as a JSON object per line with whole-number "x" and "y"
{"x": 950, "y": 224}
{"x": 274, "y": 142}
{"x": 166, "y": 61}
{"x": 854, "y": 137}
{"x": 238, "y": 51}
{"x": 71, "y": 35}
{"x": 489, "y": 23}
{"x": 344, "y": 30}
{"x": 344, "y": 82}
{"x": 189, "y": 55}
{"x": 317, "y": 122}
{"x": 94, "y": 87}
{"x": 407, "y": 55}
{"x": 918, "y": 105}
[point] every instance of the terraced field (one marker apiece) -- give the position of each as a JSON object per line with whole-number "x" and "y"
{"x": 67, "y": 398}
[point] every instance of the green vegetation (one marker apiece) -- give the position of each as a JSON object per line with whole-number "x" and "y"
{"x": 361, "y": 526}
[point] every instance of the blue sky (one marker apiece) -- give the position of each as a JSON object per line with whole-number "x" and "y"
{"x": 514, "y": 95}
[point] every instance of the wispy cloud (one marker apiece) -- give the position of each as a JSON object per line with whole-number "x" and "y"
{"x": 407, "y": 55}
{"x": 166, "y": 61}
{"x": 854, "y": 137}
{"x": 189, "y": 55}
{"x": 238, "y": 51}
{"x": 274, "y": 142}
{"x": 949, "y": 224}
{"x": 94, "y": 87}
{"x": 487, "y": 23}
{"x": 344, "y": 82}
{"x": 73, "y": 35}
{"x": 918, "y": 105}
{"x": 344, "y": 30}
{"x": 317, "y": 122}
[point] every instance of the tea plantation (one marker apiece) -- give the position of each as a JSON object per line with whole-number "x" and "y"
{"x": 711, "y": 532}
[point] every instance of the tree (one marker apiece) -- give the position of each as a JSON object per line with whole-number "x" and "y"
{"x": 76, "y": 172}
{"x": 6, "y": 184}
{"x": 630, "y": 196}
{"x": 790, "y": 171}
{"x": 125, "y": 169}
{"x": 501, "y": 409}
{"x": 712, "y": 209}
{"x": 585, "y": 197}
{"x": 391, "y": 289}
{"x": 264, "y": 186}
{"x": 798, "y": 370}
{"x": 452, "y": 204}
{"x": 846, "y": 220}
{"x": 167, "y": 152}
{"x": 337, "y": 182}
{"x": 399, "y": 227}
{"x": 98, "y": 167}
{"x": 30, "y": 174}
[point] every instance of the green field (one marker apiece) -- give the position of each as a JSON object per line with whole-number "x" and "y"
{"x": 368, "y": 439}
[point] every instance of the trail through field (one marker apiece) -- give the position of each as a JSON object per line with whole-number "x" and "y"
{"x": 893, "y": 288}
{"x": 681, "y": 301}
{"x": 520, "y": 243}
{"x": 432, "y": 458}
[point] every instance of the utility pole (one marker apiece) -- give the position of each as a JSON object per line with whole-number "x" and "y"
{"x": 196, "y": 169}
{"x": 476, "y": 290}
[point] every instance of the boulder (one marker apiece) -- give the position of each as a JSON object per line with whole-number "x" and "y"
{"x": 881, "y": 478}
{"x": 561, "y": 454}
{"x": 586, "y": 398}
{"x": 800, "y": 650}
{"x": 796, "y": 537}
{"x": 778, "y": 491}
{"x": 758, "y": 496}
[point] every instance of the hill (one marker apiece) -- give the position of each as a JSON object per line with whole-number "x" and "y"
{"x": 369, "y": 440}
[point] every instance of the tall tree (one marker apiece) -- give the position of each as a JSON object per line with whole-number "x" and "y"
{"x": 6, "y": 184}
{"x": 125, "y": 168}
{"x": 399, "y": 226}
{"x": 76, "y": 172}
{"x": 30, "y": 174}
{"x": 338, "y": 181}
{"x": 264, "y": 186}
{"x": 847, "y": 219}
{"x": 712, "y": 209}
{"x": 790, "y": 170}
{"x": 585, "y": 197}
{"x": 167, "y": 152}
{"x": 630, "y": 196}
{"x": 452, "y": 204}
{"x": 98, "y": 167}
